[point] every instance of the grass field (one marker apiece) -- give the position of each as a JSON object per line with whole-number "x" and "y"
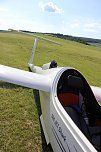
{"x": 19, "y": 120}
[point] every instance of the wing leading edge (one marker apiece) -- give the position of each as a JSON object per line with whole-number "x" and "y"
{"x": 33, "y": 80}
{"x": 24, "y": 78}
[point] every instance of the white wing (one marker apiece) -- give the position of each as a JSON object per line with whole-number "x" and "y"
{"x": 24, "y": 78}
{"x": 97, "y": 92}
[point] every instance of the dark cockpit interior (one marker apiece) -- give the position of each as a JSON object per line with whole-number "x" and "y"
{"x": 78, "y": 100}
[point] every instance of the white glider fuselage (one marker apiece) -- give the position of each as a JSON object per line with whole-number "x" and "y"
{"x": 59, "y": 129}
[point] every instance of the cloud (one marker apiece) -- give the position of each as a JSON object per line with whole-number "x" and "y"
{"x": 75, "y": 24}
{"x": 51, "y": 8}
{"x": 3, "y": 10}
{"x": 25, "y": 24}
{"x": 92, "y": 27}
{"x": 17, "y": 24}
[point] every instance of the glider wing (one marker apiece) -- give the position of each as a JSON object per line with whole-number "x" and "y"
{"x": 97, "y": 92}
{"x": 24, "y": 78}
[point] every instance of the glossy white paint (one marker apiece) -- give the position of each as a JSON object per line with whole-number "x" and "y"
{"x": 24, "y": 78}
{"x": 33, "y": 51}
{"x": 97, "y": 92}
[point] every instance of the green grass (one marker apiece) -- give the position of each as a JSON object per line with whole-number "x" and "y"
{"x": 19, "y": 116}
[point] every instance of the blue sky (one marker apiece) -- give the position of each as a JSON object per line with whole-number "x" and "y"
{"x": 70, "y": 17}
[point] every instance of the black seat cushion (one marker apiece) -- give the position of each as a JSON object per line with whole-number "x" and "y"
{"x": 93, "y": 134}
{"x": 79, "y": 121}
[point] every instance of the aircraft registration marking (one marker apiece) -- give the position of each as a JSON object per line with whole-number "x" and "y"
{"x": 58, "y": 140}
{"x": 56, "y": 123}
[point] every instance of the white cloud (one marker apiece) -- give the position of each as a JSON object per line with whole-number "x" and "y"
{"x": 2, "y": 10}
{"x": 75, "y": 25}
{"x": 72, "y": 25}
{"x": 23, "y": 24}
{"x": 51, "y": 8}
{"x": 92, "y": 27}
{"x": 82, "y": 27}
{"x": 17, "y": 24}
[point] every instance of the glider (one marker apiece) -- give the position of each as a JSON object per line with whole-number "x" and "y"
{"x": 71, "y": 114}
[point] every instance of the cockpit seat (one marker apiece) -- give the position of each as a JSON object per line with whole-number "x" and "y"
{"x": 69, "y": 94}
{"x": 68, "y": 99}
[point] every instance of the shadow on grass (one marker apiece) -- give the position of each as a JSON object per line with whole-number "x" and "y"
{"x": 45, "y": 147}
{"x": 7, "y": 85}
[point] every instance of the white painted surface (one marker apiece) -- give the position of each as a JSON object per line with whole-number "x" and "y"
{"x": 24, "y": 78}
{"x": 97, "y": 92}
{"x": 44, "y": 129}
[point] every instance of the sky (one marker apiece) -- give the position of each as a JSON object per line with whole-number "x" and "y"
{"x": 69, "y": 17}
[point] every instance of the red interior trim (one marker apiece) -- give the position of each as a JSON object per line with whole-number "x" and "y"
{"x": 68, "y": 99}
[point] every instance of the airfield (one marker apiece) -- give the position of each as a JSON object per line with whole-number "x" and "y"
{"x": 20, "y": 107}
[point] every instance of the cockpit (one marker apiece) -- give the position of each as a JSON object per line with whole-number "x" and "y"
{"x": 78, "y": 100}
